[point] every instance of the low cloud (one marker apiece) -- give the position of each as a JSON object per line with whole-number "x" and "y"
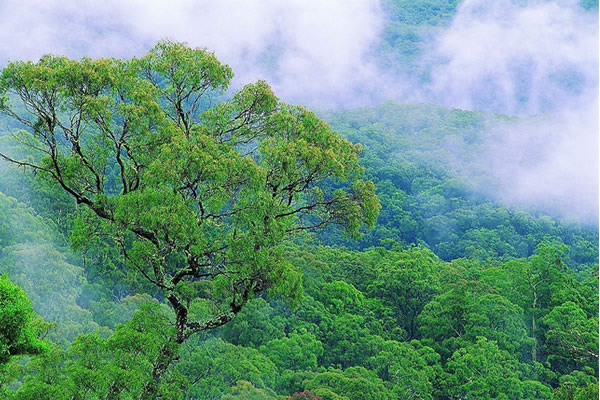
{"x": 506, "y": 56}
{"x": 547, "y": 163}
{"x": 312, "y": 52}
{"x": 536, "y": 59}
{"x": 516, "y": 57}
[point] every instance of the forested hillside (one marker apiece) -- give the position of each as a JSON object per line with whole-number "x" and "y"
{"x": 164, "y": 236}
{"x": 427, "y": 165}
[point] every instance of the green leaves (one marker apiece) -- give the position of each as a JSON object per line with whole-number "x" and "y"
{"x": 469, "y": 310}
{"x": 483, "y": 371}
{"x": 19, "y": 326}
{"x": 119, "y": 366}
{"x": 354, "y": 383}
{"x": 572, "y": 337}
{"x": 214, "y": 366}
{"x": 299, "y": 351}
{"x": 411, "y": 368}
{"x": 188, "y": 191}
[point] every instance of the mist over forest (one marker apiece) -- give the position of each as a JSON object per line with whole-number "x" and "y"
{"x": 383, "y": 199}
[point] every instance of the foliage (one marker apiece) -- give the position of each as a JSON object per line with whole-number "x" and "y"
{"x": 19, "y": 326}
{"x": 186, "y": 208}
{"x": 187, "y": 193}
{"x": 131, "y": 141}
{"x": 483, "y": 371}
{"x": 119, "y": 366}
{"x": 426, "y": 163}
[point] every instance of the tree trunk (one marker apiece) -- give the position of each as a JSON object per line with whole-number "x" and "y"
{"x": 169, "y": 352}
{"x": 166, "y": 356}
{"x": 534, "y": 347}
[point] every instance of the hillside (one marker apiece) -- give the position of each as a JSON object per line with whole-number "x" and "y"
{"x": 170, "y": 233}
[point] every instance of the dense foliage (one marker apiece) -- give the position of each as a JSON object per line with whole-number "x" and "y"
{"x": 196, "y": 200}
{"x": 394, "y": 321}
{"x": 424, "y": 160}
{"x": 164, "y": 232}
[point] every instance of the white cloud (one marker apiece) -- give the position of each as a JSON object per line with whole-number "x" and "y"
{"x": 527, "y": 58}
{"x": 506, "y": 56}
{"x": 311, "y": 51}
{"x": 516, "y": 57}
{"x": 548, "y": 163}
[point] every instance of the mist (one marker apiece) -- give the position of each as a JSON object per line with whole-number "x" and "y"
{"x": 507, "y": 56}
{"x": 514, "y": 57}
{"x": 534, "y": 59}
{"x": 314, "y": 53}
{"x": 545, "y": 163}
{"x": 538, "y": 60}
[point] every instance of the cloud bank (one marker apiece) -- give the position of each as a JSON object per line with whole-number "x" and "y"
{"x": 313, "y": 52}
{"x": 504, "y": 56}
{"x": 516, "y": 57}
{"x": 528, "y": 58}
{"x": 547, "y": 163}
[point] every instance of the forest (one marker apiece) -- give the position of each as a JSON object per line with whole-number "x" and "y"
{"x": 167, "y": 235}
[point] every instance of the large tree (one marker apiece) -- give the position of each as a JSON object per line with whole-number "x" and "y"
{"x": 192, "y": 188}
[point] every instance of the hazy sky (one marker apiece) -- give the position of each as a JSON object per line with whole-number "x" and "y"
{"x": 505, "y": 56}
{"x": 508, "y": 56}
{"x": 320, "y": 46}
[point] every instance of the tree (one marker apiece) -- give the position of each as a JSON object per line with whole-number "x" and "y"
{"x": 53, "y": 293}
{"x": 116, "y": 367}
{"x": 19, "y": 327}
{"x": 353, "y": 384}
{"x": 468, "y": 310}
{"x": 411, "y": 367}
{"x": 255, "y": 325}
{"x": 214, "y": 366}
{"x": 483, "y": 371}
{"x": 408, "y": 285}
{"x": 572, "y": 338}
{"x": 306, "y": 394}
{"x": 537, "y": 285}
{"x": 299, "y": 351}
{"x": 188, "y": 192}
{"x": 577, "y": 386}
{"x": 244, "y": 390}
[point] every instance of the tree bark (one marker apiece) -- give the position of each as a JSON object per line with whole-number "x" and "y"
{"x": 166, "y": 356}
{"x": 533, "y": 309}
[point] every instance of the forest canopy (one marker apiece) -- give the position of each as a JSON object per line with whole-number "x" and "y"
{"x": 168, "y": 232}
{"x": 192, "y": 193}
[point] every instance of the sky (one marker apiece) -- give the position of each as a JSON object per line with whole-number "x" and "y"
{"x": 320, "y": 47}
{"x": 536, "y": 59}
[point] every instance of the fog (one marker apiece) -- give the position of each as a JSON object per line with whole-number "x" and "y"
{"x": 516, "y": 57}
{"x": 505, "y": 56}
{"x": 538, "y": 60}
{"x": 547, "y": 163}
{"x": 312, "y": 52}
{"x": 535, "y": 59}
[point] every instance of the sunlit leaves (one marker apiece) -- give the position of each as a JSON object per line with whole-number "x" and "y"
{"x": 18, "y": 326}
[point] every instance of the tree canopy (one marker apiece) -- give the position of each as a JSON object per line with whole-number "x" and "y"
{"x": 189, "y": 187}
{"x": 162, "y": 222}
{"x": 19, "y": 326}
